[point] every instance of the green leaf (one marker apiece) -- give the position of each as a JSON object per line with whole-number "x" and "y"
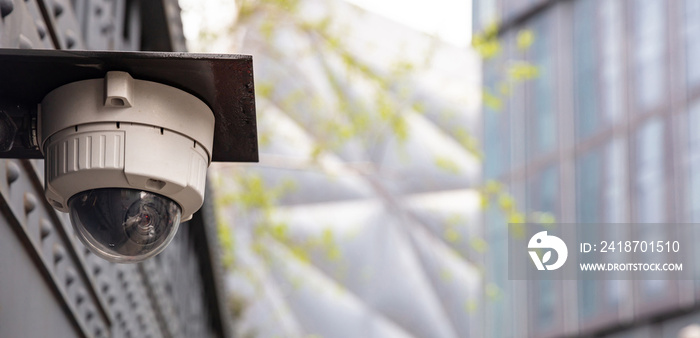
{"x": 479, "y": 244}
{"x": 521, "y": 71}
{"x": 452, "y": 235}
{"x": 447, "y": 164}
{"x": 525, "y": 39}
{"x": 491, "y": 101}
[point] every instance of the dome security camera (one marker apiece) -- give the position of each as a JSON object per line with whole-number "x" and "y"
{"x": 127, "y": 159}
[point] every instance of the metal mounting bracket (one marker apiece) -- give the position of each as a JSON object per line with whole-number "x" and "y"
{"x": 223, "y": 81}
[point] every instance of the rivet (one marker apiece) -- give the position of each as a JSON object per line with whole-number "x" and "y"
{"x": 57, "y": 8}
{"x": 29, "y": 202}
{"x": 12, "y": 172}
{"x": 70, "y": 276}
{"x": 80, "y": 296}
{"x": 6, "y": 7}
{"x": 70, "y": 39}
{"x": 40, "y": 28}
{"x": 106, "y": 29}
{"x": 25, "y": 42}
{"x": 58, "y": 253}
{"x": 45, "y": 228}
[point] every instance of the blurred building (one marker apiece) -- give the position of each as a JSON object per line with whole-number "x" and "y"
{"x": 373, "y": 238}
{"x": 50, "y": 284}
{"x": 607, "y": 133}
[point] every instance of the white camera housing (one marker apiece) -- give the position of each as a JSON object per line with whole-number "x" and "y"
{"x": 123, "y": 133}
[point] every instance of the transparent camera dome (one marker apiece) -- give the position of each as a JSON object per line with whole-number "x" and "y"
{"x": 124, "y": 225}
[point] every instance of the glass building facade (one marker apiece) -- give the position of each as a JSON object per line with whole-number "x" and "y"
{"x": 606, "y": 133}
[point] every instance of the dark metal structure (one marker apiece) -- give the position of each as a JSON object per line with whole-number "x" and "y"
{"x": 50, "y": 285}
{"x": 224, "y": 82}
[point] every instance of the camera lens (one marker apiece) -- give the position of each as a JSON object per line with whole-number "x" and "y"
{"x": 124, "y": 225}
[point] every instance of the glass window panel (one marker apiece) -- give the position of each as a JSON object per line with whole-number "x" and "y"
{"x": 547, "y": 304}
{"x": 516, "y": 108}
{"x": 518, "y": 149}
{"x": 650, "y": 192}
{"x": 650, "y": 173}
{"x": 588, "y": 188}
{"x": 544, "y": 197}
{"x": 615, "y": 202}
{"x": 543, "y": 191}
{"x": 650, "y": 41}
{"x": 499, "y": 311}
{"x": 587, "y": 298}
{"x": 493, "y": 137}
{"x": 612, "y": 25}
{"x": 693, "y": 193}
{"x": 486, "y": 12}
{"x": 614, "y": 188}
{"x": 542, "y": 113}
{"x": 496, "y": 133}
{"x": 549, "y": 196}
{"x": 692, "y": 36}
{"x": 693, "y": 186}
{"x": 585, "y": 67}
{"x": 497, "y": 232}
{"x": 693, "y": 176}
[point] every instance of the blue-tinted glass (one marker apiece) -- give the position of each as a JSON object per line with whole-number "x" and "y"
{"x": 585, "y": 67}
{"x": 587, "y": 295}
{"x": 549, "y": 191}
{"x": 614, "y": 188}
{"x": 650, "y": 173}
{"x": 588, "y": 188}
{"x": 650, "y": 192}
{"x": 496, "y": 133}
{"x": 497, "y": 235}
{"x": 692, "y": 36}
{"x": 517, "y": 123}
{"x": 615, "y": 202}
{"x": 485, "y": 13}
{"x": 497, "y": 232}
{"x": 649, "y": 57}
{"x": 493, "y": 143}
{"x": 517, "y": 109}
{"x": 693, "y": 186}
{"x": 545, "y": 199}
{"x": 693, "y": 193}
{"x": 588, "y": 184}
{"x": 543, "y": 130}
{"x": 611, "y": 65}
{"x": 547, "y": 299}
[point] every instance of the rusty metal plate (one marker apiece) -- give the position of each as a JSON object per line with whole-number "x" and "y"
{"x": 222, "y": 81}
